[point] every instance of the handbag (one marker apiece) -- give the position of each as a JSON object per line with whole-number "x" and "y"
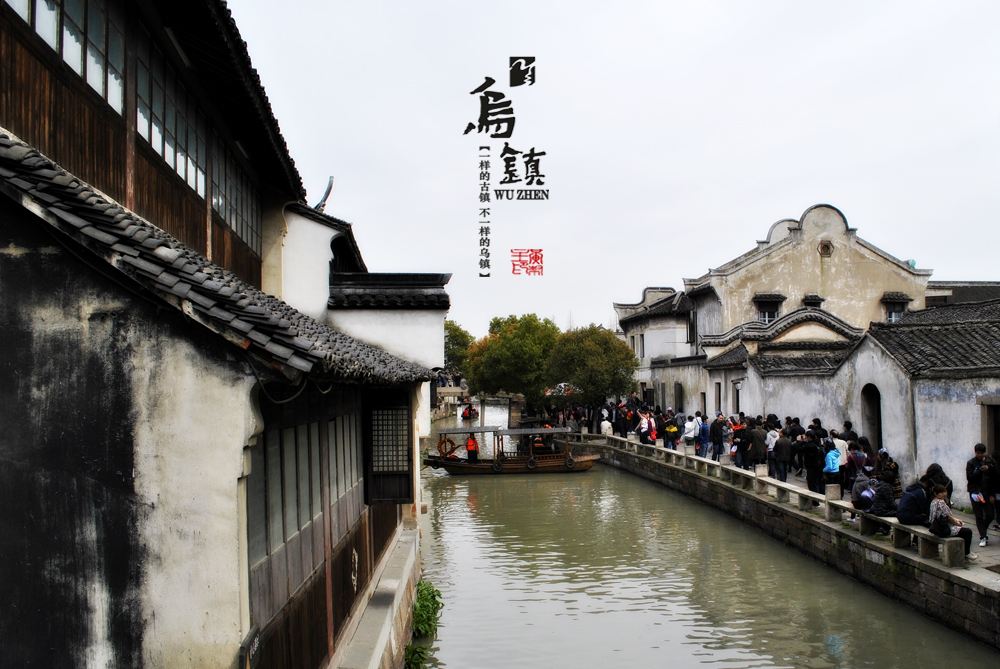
{"x": 941, "y": 527}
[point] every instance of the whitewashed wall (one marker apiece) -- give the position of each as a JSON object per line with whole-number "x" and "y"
{"x": 194, "y": 419}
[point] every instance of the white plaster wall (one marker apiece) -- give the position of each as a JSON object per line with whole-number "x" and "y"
{"x": 871, "y": 364}
{"x": 416, "y": 335}
{"x": 695, "y": 381}
{"x": 805, "y": 397}
{"x": 194, "y": 419}
{"x": 305, "y": 266}
{"x": 949, "y": 424}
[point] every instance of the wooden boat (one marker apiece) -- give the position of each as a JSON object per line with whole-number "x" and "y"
{"x": 470, "y": 413}
{"x": 536, "y": 453}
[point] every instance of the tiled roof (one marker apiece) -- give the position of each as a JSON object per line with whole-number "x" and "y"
{"x": 757, "y": 331}
{"x": 809, "y": 363}
{"x": 276, "y": 333}
{"x": 954, "y": 313}
{"x": 734, "y": 357}
{"x": 349, "y": 290}
{"x": 769, "y": 297}
{"x": 678, "y": 303}
{"x": 893, "y": 296}
{"x": 958, "y": 349}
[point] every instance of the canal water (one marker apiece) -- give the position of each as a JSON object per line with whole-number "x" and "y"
{"x": 604, "y": 569}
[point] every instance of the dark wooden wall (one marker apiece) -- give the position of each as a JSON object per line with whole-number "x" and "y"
{"x": 47, "y": 105}
{"x": 52, "y": 108}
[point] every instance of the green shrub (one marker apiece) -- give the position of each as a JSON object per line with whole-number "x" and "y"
{"x": 427, "y": 607}
{"x": 415, "y": 657}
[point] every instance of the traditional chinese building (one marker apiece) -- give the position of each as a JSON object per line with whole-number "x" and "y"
{"x": 195, "y": 471}
{"x": 780, "y": 329}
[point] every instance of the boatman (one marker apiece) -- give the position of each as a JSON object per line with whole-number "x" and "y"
{"x": 472, "y": 448}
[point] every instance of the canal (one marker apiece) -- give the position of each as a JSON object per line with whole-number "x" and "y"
{"x": 604, "y": 569}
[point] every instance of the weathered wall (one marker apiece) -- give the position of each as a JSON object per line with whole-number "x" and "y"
{"x": 943, "y": 594}
{"x": 193, "y": 416}
{"x": 853, "y": 279}
{"x": 949, "y": 424}
{"x": 114, "y": 496}
{"x": 694, "y": 378}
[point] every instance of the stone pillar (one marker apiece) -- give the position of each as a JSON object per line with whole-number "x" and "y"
{"x": 830, "y": 512}
{"x": 760, "y": 473}
{"x": 900, "y": 537}
{"x": 804, "y": 503}
{"x": 781, "y": 494}
{"x": 953, "y": 552}
{"x": 928, "y": 548}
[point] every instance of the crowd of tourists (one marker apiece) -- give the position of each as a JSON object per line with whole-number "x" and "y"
{"x": 869, "y": 475}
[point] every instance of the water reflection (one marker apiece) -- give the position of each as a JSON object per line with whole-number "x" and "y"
{"x": 603, "y": 569}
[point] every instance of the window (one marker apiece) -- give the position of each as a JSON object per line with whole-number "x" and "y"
{"x": 894, "y": 311}
{"x": 631, "y": 342}
{"x": 767, "y": 312}
{"x": 718, "y": 396}
{"x": 389, "y": 452}
{"x": 692, "y": 329}
{"x": 234, "y": 197}
{"x": 768, "y": 306}
{"x": 168, "y": 118}
{"x": 642, "y": 346}
{"x": 87, "y": 35}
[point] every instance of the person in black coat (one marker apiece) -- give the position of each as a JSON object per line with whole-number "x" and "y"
{"x": 915, "y": 504}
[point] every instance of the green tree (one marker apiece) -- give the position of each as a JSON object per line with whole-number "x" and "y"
{"x": 512, "y": 357}
{"x": 594, "y": 361}
{"x": 456, "y": 347}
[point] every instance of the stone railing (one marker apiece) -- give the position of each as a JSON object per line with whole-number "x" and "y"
{"x": 951, "y": 550}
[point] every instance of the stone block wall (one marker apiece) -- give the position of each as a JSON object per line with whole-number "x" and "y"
{"x": 957, "y": 598}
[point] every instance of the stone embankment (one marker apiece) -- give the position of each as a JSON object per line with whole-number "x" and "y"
{"x": 932, "y": 577}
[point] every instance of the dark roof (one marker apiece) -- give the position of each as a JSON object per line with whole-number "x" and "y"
{"x": 963, "y": 291}
{"x": 227, "y": 83}
{"x": 893, "y": 296}
{"x": 811, "y": 299}
{"x": 807, "y": 345}
{"x": 757, "y": 331}
{"x": 769, "y": 297}
{"x": 954, "y": 313}
{"x": 274, "y": 332}
{"x": 735, "y": 357}
{"x": 388, "y": 291}
{"x": 672, "y": 305}
{"x": 804, "y": 364}
{"x": 957, "y": 350}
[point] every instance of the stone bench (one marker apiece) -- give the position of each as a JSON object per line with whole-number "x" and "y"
{"x": 952, "y": 549}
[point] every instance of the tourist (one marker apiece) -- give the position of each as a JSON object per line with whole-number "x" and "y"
{"x": 782, "y": 455}
{"x": 717, "y": 436}
{"x": 983, "y": 481}
{"x": 769, "y": 441}
{"x": 690, "y": 431}
{"x": 831, "y": 464}
{"x": 848, "y": 434}
{"x": 606, "y": 428}
{"x": 887, "y": 470}
{"x": 944, "y": 524}
{"x": 862, "y": 493}
{"x": 758, "y": 443}
{"x": 472, "y": 448}
{"x": 871, "y": 458}
{"x": 855, "y": 463}
{"x": 935, "y": 473}
{"x": 817, "y": 427}
{"x": 704, "y": 438}
{"x": 741, "y": 440}
{"x": 841, "y": 445}
{"x": 884, "y": 503}
{"x": 915, "y": 504}
{"x": 812, "y": 460}
{"x": 642, "y": 428}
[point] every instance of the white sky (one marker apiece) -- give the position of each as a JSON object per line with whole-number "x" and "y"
{"x": 676, "y": 133}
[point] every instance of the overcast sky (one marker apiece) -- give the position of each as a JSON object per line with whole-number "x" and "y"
{"x": 676, "y": 133}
